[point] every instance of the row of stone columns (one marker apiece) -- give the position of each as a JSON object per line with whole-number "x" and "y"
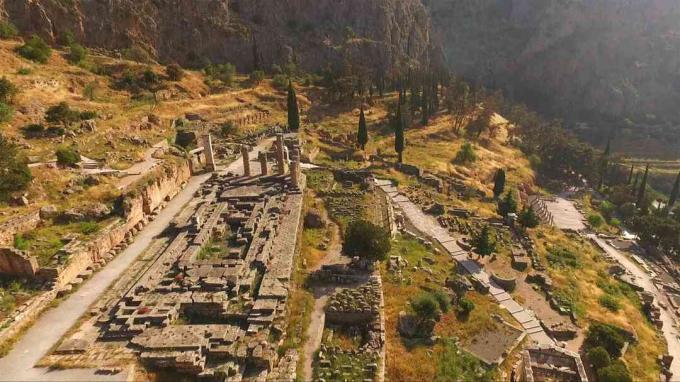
{"x": 281, "y": 161}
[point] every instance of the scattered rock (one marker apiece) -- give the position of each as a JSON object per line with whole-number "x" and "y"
{"x": 89, "y": 125}
{"x": 48, "y": 212}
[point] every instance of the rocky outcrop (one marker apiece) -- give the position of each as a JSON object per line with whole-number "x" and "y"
{"x": 311, "y": 33}
{"x": 575, "y": 59}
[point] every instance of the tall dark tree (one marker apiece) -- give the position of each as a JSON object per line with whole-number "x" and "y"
{"x": 362, "y": 134}
{"x": 483, "y": 243}
{"x": 633, "y": 188}
{"x": 643, "y": 188}
{"x": 293, "y": 111}
{"x": 674, "y": 193}
{"x": 425, "y": 108}
{"x": 604, "y": 164}
{"x": 498, "y": 183}
{"x": 399, "y": 133}
{"x": 630, "y": 174}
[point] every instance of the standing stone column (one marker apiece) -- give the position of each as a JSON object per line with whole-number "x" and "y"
{"x": 245, "y": 153}
{"x": 295, "y": 173}
{"x": 262, "y": 157}
{"x": 208, "y": 152}
{"x": 280, "y": 160}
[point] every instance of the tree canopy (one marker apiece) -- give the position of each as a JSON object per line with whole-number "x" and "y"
{"x": 293, "y": 111}
{"x": 362, "y": 133}
{"x": 366, "y": 240}
{"x": 14, "y": 172}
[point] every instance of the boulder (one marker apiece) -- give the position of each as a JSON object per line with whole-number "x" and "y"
{"x": 89, "y": 125}
{"x": 48, "y": 212}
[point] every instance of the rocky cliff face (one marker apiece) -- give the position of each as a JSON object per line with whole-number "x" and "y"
{"x": 574, "y": 58}
{"x": 310, "y": 33}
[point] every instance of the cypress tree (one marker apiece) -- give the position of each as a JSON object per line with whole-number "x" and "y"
{"x": 643, "y": 188}
{"x": 630, "y": 175}
{"x": 399, "y": 134}
{"x": 605, "y": 164}
{"x": 293, "y": 111}
{"x": 499, "y": 183}
{"x": 362, "y": 134}
{"x": 633, "y": 188}
{"x": 674, "y": 193}
{"x": 425, "y": 109}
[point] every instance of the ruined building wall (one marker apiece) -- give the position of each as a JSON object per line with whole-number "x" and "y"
{"x": 16, "y": 225}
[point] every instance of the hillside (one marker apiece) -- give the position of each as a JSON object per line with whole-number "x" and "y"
{"x": 612, "y": 64}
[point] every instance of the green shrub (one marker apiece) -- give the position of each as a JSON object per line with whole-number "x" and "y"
{"x": 34, "y": 130}
{"x": 599, "y": 357}
{"x": 7, "y": 29}
{"x": 35, "y": 49}
{"x": 20, "y": 242}
{"x": 465, "y": 306}
{"x": 443, "y": 299}
{"x": 609, "y": 302}
{"x": 224, "y": 73}
{"x": 77, "y": 53}
{"x": 61, "y": 113}
{"x": 137, "y": 53}
{"x": 7, "y": 90}
{"x": 227, "y": 129}
{"x": 174, "y": 72}
{"x": 257, "y": 76}
{"x": 507, "y": 205}
{"x": 615, "y": 222}
{"x": 88, "y": 114}
{"x": 6, "y": 112}
{"x": 15, "y": 174}
{"x": 367, "y": 240}
{"x": 66, "y": 38}
{"x": 616, "y": 372}
{"x": 466, "y": 154}
{"x": 560, "y": 257}
{"x": 280, "y": 82}
{"x": 607, "y": 336}
{"x": 88, "y": 228}
{"x": 425, "y": 306}
{"x": 595, "y": 220}
{"x": 528, "y": 218}
{"x": 24, "y": 71}
{"x": 67, "y": 156}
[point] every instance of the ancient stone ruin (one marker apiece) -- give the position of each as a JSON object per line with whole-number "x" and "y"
{"x": 549, "y": 363}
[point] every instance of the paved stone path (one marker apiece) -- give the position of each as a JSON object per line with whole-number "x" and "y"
{"x": 645, "y": 280}
{"x": 428, "y": 226}
{"x": 18, "y": 365}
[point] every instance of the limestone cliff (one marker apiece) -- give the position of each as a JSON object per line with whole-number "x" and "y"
{"x": 311, "y": 33}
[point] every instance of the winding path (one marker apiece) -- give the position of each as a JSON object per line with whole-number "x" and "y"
{"x": 18, "y": 365}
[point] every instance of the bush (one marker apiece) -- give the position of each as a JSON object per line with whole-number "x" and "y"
{"x": 257, "y": 76}
{"x": 34, "y": 130}
{"x": 483, "y": 243}
{"x": 507, "y": 205}
{"x": 88, "y": 114}
{"x": 616, "y": 372}
{"x": 66, "y": 38}
{"x": 528, "y": 218}
{"x": 367, "y": 240}
{"x": 88, "y": 228}
{"x": 595, "y": 220}
{"x": 24, "y": 71}
{"x": 227, "y": 129}
{"x": 15, "y": 174}
{"x": 607, "y": 336}
{"x": 7, "y": 30}
{"x": 20, "y": 242}
{"x": 280, "y": 82}
{"x": 137, "y": 53}
{"x": 425, "y": 306}
{"x": 6, "y": 112}
{"x": 221, "y": 72}
{"x": 67, "y": 156}
{"x": 7, "y": 90}
{"x": 615, "y": 222}
{"x": 61, "y": 113}
{"x": 610, "y": 303}
{"x": 35, "y": 49}
{"x": 174, "y": 72}
{"x": 599, "y": 357}
{"x": 465, "y": 307}
{"x": 607, "y": 208}
{"x": 77, "y": 53}
{"x": 560, "y": 257}
{"x": 466, "y": 154}
{"x": 443, "y": 299}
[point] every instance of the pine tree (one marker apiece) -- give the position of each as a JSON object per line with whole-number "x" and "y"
{"x": 674, "y": 193}
{"x": 630, "y": 175}
{"x": 508, "y": 205}
{"x": 643, "y": 188}
{"x": 362, "y": 134}
{"x": 483, "y": 243}
{"x": 399, "y": 133}
{"x": 293, "y": 111}
{"x": 528, "y": 218}
{"x": 499, "y": 183}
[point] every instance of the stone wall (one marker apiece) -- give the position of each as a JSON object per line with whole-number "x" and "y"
{"x": 16, "y": 262}
{"x": 17, "y": 225}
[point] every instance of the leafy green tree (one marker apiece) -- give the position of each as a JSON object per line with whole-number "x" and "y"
{"x": 674, "y": 193}
{"x": 465, "y": 306}
{"x": 616, "y": 372}
{"x": 443, "y": 299}
{"x": 607, "y": 336}
{"x": 7, "y": 30}
{"x": 77, "y": 53}
{"x": 67, "y": 156}
{"x": 466, "y": 154}
{"x": 366, "y": 240}
{"x": 362, "y": 134}
{"x": 14, "y": 172}
{"x": 257, "y": 76}
{"x": 174, "y": 72}
{"x": 66, "y": 38}
{"x": 498, "y": 183}
{"x": 643, "y": 188}
{"x": 483, "y": 243}
{"x": 221, "y": 72}
{"x": 6, "y": 112}
{"x": 61, "y": 113}
{"x": 528, "y": 218}
{"x": 595, "y": 220}
{"x": 426, "y": 307}
{"x": 398, "y": 125}
{"x": 599, "y": 357}
{"x": 7, "y": 90}
{"x": 508, "y": 205}
{"x": 35, "y": 49}
{"x": 293, "y": 111}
